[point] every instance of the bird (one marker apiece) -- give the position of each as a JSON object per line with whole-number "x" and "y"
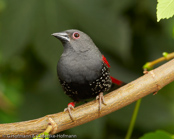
{"x": 82, "y": 69}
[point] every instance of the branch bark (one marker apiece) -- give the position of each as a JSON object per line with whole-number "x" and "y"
{"x": 146, "y": 84}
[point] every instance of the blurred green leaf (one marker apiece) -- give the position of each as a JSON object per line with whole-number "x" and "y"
{"x": 159, "y": 134}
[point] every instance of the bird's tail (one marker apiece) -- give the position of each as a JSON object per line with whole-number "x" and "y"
{"x": 116, "y": 83}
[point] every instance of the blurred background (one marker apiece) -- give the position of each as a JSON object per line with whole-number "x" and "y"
{"x": 126, "y": 32}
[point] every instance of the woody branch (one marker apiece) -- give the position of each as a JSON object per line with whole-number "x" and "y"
{"x": 151, "y": 82}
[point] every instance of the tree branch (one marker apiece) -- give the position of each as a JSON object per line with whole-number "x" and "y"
{"x": 146, "y": 84}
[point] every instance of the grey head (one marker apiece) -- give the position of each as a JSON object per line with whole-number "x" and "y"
{"x": 81, "y": 60}
{"x": 75, "y": 40}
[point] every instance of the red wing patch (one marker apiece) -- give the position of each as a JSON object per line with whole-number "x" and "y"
{"x": 105, "y": 61}
{"x": 117, "y": 82}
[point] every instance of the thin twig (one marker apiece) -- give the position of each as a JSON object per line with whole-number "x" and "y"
{"x": 150, "y": 65}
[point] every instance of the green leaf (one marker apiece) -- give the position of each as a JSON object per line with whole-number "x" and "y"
{"x": 165, "y": 9}
{"x": 159, "y": 134}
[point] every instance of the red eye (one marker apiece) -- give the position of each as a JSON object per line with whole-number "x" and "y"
{"x": 76, "y": 35}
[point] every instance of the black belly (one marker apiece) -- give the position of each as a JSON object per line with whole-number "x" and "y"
{"x": 88, "y": 89}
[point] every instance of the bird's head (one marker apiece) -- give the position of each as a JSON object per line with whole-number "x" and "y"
{"x": 75, "y": 39}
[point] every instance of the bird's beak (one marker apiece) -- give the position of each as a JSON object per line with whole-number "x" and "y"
{"x": 62, "y": 36}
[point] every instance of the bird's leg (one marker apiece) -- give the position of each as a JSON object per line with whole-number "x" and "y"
{"x": 100, "y": 98}
{"x": 70, "y": 107}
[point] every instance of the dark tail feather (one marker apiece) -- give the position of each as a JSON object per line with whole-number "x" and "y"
{"x": 116, "y": 84}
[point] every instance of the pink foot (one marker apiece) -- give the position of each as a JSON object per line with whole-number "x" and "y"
{"x": 100, "y": 98}
{"x": 70, "y": 107}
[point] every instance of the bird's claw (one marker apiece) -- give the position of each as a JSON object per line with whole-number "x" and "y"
{"x": 100, "y": 97}
{"x": 69, "y": 108}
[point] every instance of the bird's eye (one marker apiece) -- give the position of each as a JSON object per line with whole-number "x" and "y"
{"x": 76, "y": 35}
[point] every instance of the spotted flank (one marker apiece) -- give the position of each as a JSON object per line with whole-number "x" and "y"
{"x": 103, "y": 83}
{"x": 89, "y": 90}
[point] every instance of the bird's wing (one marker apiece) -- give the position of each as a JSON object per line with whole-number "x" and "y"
{"x": 105, "y": 61}
{"x": 114, "y": 80}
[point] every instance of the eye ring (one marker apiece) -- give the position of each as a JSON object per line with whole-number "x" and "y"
{"x": 76, "y": 35}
